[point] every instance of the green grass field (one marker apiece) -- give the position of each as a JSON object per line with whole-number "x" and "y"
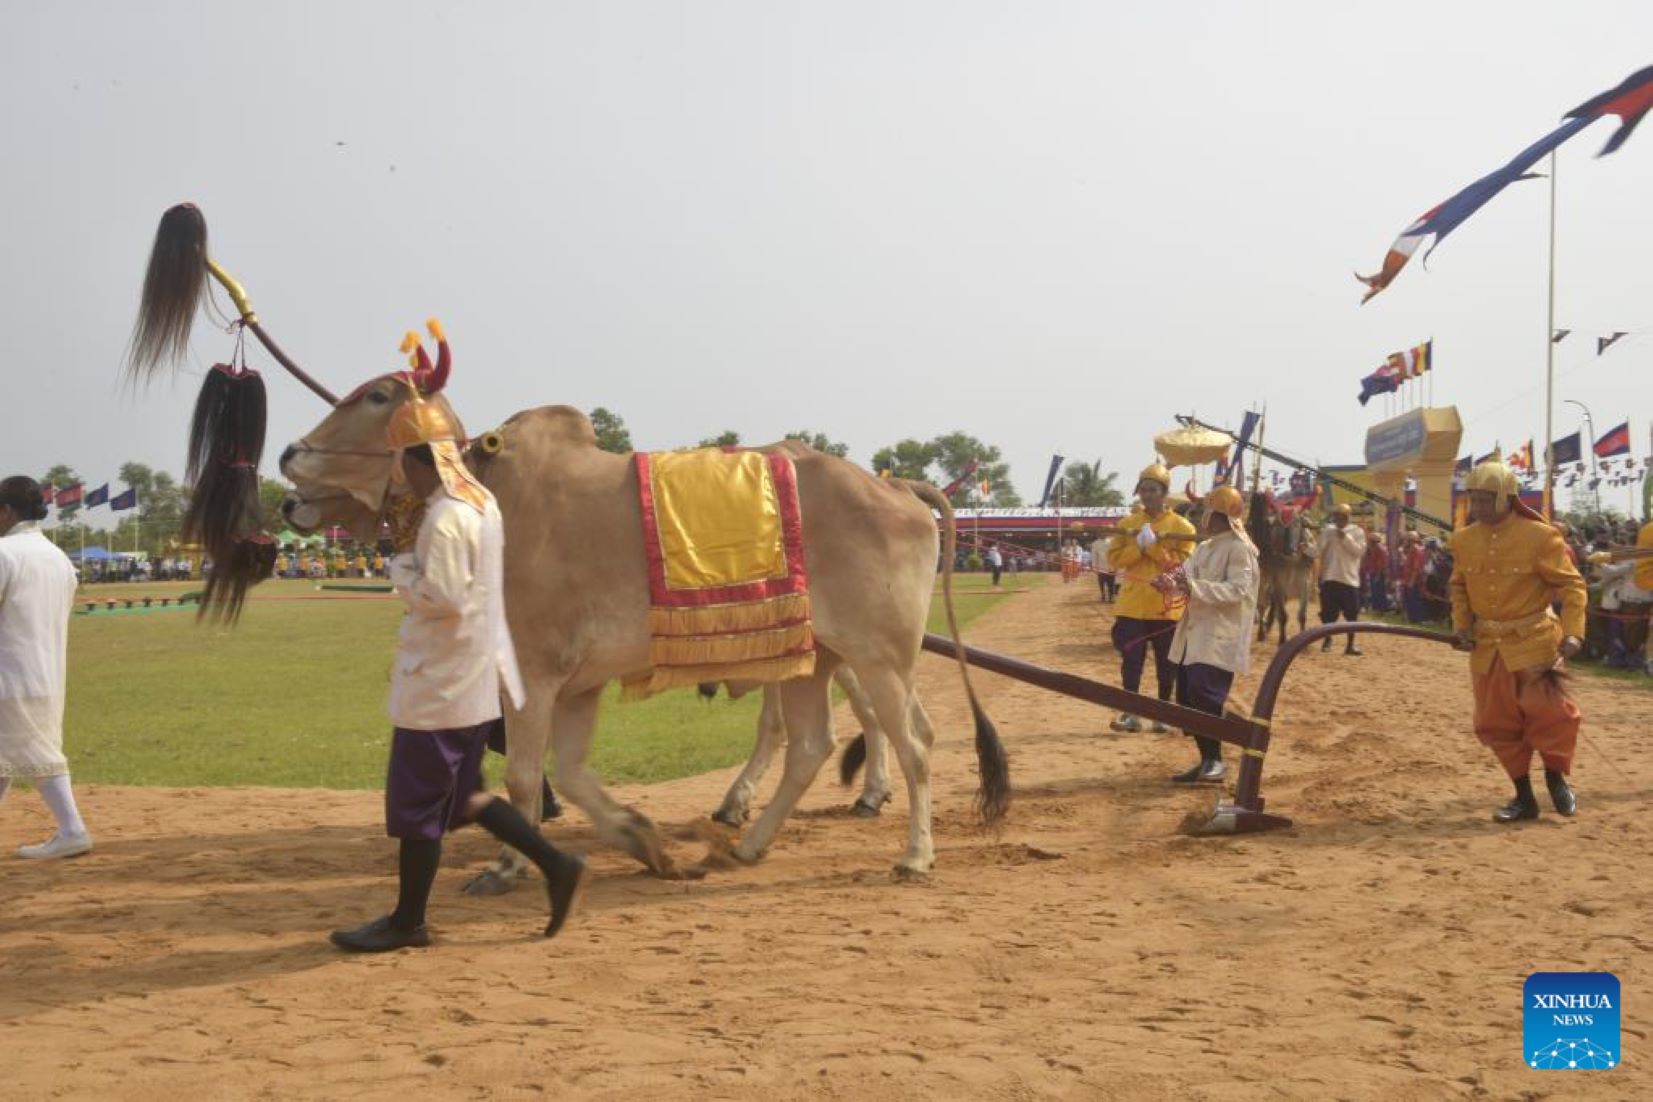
{"x": 294, "y": 695}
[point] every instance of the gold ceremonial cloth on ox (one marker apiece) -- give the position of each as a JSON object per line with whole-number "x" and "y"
{"x": 728, "y": 592}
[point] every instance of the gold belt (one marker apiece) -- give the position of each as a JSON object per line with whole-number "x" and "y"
{"x": 1495, "y": 630}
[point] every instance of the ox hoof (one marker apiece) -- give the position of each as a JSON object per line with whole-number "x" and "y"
{"x": 869, "y": 809}
{"x": 725, "y": 855}
{"x": 489, "y": 882}
{"x": 910, "y": 874}
{"x": 639, "y": 838}
{"x": 730, "y": 817}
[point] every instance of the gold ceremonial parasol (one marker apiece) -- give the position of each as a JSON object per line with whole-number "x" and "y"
{"x": 1189, "y": 447}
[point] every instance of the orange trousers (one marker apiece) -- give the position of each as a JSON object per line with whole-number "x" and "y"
{"x": 1520, "y": 713}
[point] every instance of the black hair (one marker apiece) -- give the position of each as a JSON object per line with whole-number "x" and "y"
{"x": 422, "y": 453}
{"x": 21, "y": 494}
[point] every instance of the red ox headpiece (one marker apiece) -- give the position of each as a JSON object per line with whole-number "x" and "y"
{"x": 426, "y": 379}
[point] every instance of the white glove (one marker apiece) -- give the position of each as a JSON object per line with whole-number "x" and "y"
{"x": 1146, "y": 538}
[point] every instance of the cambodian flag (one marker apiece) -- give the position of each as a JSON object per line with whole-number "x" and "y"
{"x": 1442, "y": 219}
{"x": 1385, "y": 380}
{"x": 69, "y": 495}
{"x": 1629, "y": 101}
{"x": 1615, "y": 441}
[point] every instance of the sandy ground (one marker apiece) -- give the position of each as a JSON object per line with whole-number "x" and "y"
{"x": 1376, "y": 950}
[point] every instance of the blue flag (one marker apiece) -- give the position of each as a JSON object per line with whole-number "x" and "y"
{"x": 99, "y": 496}
{"x": 1569, "y": 449}
{"x": 1248, "y": 425}
{"x": 128, "y": 499}
{"x": 1050, "y": 479}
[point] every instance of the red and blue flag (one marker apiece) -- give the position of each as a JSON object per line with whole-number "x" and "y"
{"x": 1614, "y": 442}
{"x": 1630, "y": 101}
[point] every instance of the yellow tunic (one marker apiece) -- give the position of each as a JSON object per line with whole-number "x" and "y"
{"x": 1137, "y": 598}
{"x": 1644, "y": 568}
{"x": 1504, "y": 578}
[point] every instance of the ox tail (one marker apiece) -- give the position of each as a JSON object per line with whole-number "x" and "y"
{"x": 993, "y": 797}
{"x": 854, "y": 757}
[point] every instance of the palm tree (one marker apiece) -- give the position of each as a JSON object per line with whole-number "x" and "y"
{"x": 1086, "y": 485}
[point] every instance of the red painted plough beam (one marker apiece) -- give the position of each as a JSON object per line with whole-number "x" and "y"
{"x": 1245, "y": 814}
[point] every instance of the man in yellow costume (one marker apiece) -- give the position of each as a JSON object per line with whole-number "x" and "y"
{"x": 1150, "y": 541}
{"x": 1508, "y": 569}
{"x": 1644, "y": 567}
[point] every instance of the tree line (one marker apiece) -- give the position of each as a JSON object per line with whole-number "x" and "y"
{"x": 944, "y": 461}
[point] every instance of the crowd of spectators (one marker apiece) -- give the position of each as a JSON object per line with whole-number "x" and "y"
{"x": 1413, "y": 581}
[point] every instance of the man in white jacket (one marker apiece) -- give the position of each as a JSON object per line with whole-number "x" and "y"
{"x": 1340, "y": 549}
{"x": 453, "y": 657}
{"x": 1213, "y": 639}
{"x": 37, "y": 594}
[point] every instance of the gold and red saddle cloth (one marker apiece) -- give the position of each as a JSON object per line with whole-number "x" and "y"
{"x": 728, "y": 592}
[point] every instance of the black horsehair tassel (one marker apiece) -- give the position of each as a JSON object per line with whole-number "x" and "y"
{"x": 226, "y": 442}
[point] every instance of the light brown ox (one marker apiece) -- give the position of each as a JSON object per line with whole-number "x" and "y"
{"x": 577, "y": 600}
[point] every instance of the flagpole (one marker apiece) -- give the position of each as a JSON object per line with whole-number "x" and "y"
{"x": 1549, "y": 364}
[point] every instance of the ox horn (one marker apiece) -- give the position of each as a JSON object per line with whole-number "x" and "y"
{"x": 418, "y": 359}
{"x": 444, "y": 358}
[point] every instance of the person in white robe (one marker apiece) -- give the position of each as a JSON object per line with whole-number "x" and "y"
{"x": 1213, "y": 639}
{"x": 454, "y": 657}
{"x": 37, "y": 595}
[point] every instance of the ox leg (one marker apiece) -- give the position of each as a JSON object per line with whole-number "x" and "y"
{"x": 915, "y": 764}
{"x": 737, "y": 804}
{"x": 908, "y": 729}
{"x": 573, "y": 722}
{"x": 806, "y": 704}
{"x": 875, "y": 782}
{"x": 526, "y": 733}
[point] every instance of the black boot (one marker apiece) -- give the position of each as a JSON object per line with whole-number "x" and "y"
{"x": 380, "y": 936}
{"x": 1561, "y": 793}
{"x": 1326, "y": 644}
{"x": 403, "y": 928}
{"x": 1210, "y": 770}
{"x": 564, "y": 872}
{"x": 1524, "y": 806}
{"x": 549, "y": 807}
{"x": 1352, "y": 649}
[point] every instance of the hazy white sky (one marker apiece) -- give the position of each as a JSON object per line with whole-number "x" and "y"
{"x": 1052, "y": 225}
